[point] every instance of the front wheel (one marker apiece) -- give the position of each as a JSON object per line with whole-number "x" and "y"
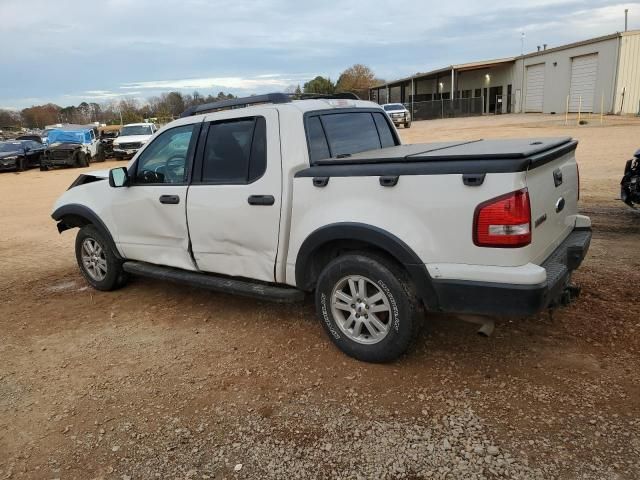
{"x": 97, "y": 261}
{"x": 100, "y": 155}
{"x": 81, "y": 160}
{"x": 367, "y": 307}
{"x": 407, "y": 125}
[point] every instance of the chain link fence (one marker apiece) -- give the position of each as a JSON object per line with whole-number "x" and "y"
{"x": 446, "y": 108}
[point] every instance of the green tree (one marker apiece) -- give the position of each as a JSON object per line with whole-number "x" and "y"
{"x": 319, "y": 85}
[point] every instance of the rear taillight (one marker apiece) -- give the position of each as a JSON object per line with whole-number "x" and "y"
{"x": 504, "y": 221}
{"x": 578, "y": 173}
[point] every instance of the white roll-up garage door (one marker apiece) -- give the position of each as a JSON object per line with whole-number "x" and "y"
{"x": 535, "y": 88}
{"x": 584, "y": 70}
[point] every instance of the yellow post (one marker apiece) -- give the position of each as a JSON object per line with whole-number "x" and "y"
{"x": 601, "y": 108}
{"x": 579, "y": 108}
{"x": 566, "y": 113}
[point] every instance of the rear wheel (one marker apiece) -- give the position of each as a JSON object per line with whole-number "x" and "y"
{"x": 97, "y": 261}
{"x": 367, "y": 307}
{"x": 20, "y": 165}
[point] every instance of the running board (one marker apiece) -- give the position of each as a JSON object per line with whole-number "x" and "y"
{"x": 216, "y": 283}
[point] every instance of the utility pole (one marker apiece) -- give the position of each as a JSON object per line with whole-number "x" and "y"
{"x": 626, "y": 19}
{"x": 522, "y": 79}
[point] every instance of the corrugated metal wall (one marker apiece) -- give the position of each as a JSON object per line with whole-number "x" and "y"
{"x": 629, "y": 75}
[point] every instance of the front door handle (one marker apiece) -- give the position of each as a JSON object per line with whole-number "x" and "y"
{"x": 170, "y": 199}
{"x": 261, "y": 200}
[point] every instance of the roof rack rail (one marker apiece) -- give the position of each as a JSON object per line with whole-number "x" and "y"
{"x": 266, "y": 98}
{"x": 325, "y": 96}
{"x": 236, "y": 103}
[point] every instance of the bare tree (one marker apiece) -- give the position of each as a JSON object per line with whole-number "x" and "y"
{"x": 357, "y": 79}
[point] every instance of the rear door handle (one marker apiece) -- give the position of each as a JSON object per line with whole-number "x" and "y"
{"x": 170, "y": 199}
{"x": 261, "y": 200}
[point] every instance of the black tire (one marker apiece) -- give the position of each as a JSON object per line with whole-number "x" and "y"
{"x": 44, "y": 168}
{"x": 100, "y": 155}
{"x": 115, "y": 277}
{"x": 407, "y": 125}
{"x": 403, "y": 319}
{"x": 20, "y": 165}
{"x": 81, "y": 160}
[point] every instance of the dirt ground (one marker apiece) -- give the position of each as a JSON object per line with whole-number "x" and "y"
{"x": 163, "y": 381}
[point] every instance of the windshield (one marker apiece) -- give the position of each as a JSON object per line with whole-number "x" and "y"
{"x": 393, "y": 106}
{"x": 10, "y": 147}
{"x": 136, "y": 130}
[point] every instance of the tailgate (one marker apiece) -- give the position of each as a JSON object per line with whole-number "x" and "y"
{"x": 553, "y": 193}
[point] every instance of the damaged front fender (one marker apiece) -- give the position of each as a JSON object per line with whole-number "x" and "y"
{"x": 630, "y": 184}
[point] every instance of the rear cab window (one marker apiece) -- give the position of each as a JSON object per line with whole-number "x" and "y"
{"x": 336, "y": 134}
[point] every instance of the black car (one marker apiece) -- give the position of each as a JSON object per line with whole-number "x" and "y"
{"x": 630, "y": 184}
{"x": 35, "y": 138}
{"x": 20, "y": 154}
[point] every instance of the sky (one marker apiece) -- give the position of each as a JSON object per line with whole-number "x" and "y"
{"x": 69, "y": 51}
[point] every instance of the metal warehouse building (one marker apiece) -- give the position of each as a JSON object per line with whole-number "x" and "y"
{"x": 599, "y": 74}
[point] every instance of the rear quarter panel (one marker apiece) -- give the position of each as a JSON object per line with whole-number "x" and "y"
{"x": 432, "y": 214}
{"x": 544, "y": 196}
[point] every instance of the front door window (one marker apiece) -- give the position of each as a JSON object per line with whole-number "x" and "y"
{"x": 165, "y": 159}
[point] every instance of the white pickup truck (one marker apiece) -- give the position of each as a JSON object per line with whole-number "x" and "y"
{"x": 284, "y": 197}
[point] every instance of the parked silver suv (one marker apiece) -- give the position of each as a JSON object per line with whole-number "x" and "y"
{"x": 398, "y": 114}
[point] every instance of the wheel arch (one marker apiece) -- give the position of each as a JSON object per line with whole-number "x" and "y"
{"x": 77, "y": 216}
{"x": 329, "y": 241}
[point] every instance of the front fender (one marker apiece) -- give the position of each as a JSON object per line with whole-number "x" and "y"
{"x": 76, "y": 216}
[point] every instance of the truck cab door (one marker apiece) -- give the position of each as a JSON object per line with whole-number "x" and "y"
{"x": 93, "y": 145}
{"x": 234, "y": 201}
{"x": 150, "y": 214}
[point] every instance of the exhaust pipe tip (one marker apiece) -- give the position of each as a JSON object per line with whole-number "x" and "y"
{"x": 487, "y": 328}
{"x": 487, "y": 325}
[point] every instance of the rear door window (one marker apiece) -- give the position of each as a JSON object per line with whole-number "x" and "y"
{"x": 235, "y": 151}
{"x": 338, "y": 135}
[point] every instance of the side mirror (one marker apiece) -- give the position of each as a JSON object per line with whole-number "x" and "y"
{"x": 118, "y": 177}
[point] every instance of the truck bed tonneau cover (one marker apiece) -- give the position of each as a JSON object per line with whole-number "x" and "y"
{"x": 512, "y": 149}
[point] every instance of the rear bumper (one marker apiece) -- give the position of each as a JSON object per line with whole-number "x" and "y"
{"x": 502, "y": 299}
